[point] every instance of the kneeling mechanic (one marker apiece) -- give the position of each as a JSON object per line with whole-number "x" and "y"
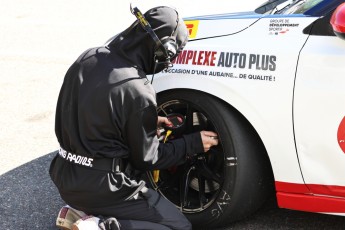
{"x": 106, "y": 124}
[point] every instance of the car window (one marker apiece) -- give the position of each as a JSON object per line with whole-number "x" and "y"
{"x": 298, "y": 6}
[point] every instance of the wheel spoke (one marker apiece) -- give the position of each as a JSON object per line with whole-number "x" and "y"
{"x": 185, "y": 187}
{"x": 162, "y": 110}
{"x": 203, "y": 124}
{"x": 207, "y": 172}
{"x": 189, "y": 119}
{"x": 211, "y": 185}
{"x": 201, "y": 185}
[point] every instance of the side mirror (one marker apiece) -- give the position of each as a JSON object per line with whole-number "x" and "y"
{"x": 338, "y": 21}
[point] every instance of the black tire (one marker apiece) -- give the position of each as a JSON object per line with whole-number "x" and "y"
{"x": 229, "y": 182}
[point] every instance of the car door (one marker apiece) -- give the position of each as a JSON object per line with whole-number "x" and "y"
{"x": 319, "y": 110}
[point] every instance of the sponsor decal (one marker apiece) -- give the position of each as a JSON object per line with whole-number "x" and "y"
{"x": 341, "y": 135}
{"x": 192, "y": 27}
{"x": 230, "y": 62}
{"x": 280, "y": 26}
{"x": 75, "y": 158}
{"x": 227, "y": 59}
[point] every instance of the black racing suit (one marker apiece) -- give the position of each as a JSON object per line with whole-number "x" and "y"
{"x": 105, "y": 111}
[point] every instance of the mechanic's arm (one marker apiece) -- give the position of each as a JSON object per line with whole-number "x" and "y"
{"x": 208, "y": 138}
{"x": 147, "y": 153}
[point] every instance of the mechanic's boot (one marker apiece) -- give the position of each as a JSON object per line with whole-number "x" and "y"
{"x": 86, "y": 223}
{"x": 67, "y": 216}
{"x": 109, "y": 224}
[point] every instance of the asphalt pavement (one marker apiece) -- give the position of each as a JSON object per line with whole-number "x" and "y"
{"x": 39, "y": 39}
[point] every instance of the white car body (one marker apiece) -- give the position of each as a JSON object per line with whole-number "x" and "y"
{"x": 289, "y": 85}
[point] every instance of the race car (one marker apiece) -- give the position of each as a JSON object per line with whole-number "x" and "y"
{"x": 271, "y": 84}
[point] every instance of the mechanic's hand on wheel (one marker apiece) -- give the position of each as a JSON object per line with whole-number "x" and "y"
{"x": 163, "y": 120}
{"x": 209, "y": 139}
{"x": 160, "y": 122}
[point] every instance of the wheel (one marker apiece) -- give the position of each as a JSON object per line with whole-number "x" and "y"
{"x": 227, "y": 183}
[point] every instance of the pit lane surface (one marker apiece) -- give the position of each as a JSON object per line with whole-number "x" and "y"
{"x": 39, "y": 40}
